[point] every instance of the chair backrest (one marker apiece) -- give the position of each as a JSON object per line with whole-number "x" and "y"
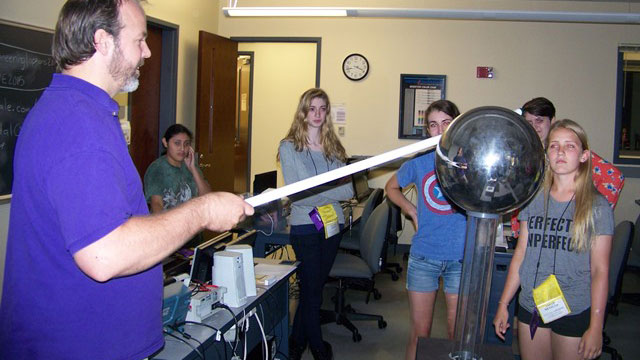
{"x": 373, "y": 236}
{"x": 395, "y": 221}
{"x": 374, "y": 199}
{"x": 622, "y": 236}
{"x": 634, "y": 255}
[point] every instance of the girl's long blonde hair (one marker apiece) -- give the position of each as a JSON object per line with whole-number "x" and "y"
{"x": 331, "y": 146}
{"x": 582, "y": 229}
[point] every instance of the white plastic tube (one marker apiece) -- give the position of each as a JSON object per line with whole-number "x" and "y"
{"x": 323, "y": 178}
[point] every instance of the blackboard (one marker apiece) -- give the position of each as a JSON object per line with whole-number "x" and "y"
{"x": 26, "y": 68}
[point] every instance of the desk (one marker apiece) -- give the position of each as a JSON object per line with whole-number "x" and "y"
{"x": 271, "y": 305}
{"x": 281, "y": 237}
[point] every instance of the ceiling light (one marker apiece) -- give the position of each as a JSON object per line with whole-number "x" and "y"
{"x": 284, "y": 11}
{"x": 452, "y": 14}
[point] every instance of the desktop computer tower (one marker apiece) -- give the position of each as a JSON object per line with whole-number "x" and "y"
{"x": 228, "y": 272}
{"x": 499, "y": 272}
{"x": 247, "y": 262}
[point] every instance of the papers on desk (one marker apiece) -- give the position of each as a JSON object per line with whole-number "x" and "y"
{"x": 269, "y": 274}
{"x": 500, "y": 240}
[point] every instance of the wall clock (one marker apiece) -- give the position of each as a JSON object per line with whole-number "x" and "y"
{"x": 355, "y": 67}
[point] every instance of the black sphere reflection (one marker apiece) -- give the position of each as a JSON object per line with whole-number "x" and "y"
{"x": 490, "y": 160}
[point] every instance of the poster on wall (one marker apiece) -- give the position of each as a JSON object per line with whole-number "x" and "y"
{"x": 417, "y": 92}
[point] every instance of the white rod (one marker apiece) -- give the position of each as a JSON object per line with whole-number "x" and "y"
{"x": 338, "y": 173}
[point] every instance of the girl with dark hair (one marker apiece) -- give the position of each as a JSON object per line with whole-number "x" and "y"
{"x": 438, "y": 244}
{"x": 174, "y": 178}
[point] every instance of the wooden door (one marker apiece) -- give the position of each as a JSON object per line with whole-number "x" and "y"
{"x": 145, "y": 106}
{"x": 216, "y": 109}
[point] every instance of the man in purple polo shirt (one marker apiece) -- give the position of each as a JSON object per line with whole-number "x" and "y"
{"x": 82, "y": 279}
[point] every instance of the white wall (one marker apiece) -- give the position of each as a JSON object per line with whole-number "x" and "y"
{"x": 574, "y": 65}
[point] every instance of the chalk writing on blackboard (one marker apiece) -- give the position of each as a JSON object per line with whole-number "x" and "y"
{"x": 22, "y": 65}
{"x": 26, "y": 68}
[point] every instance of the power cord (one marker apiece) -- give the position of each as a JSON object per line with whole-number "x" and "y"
{"x": 264, "y": 337}
{"x": 216, "y": 331}
{"x": 272, "y": 225}
{"x": 233, "y": 316}
{"x": 246, "y": 331}
{"x": 186, "y": 342}
{"x": 272, "y": 308}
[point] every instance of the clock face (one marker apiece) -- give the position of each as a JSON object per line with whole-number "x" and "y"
{"x": 355, "y": 67}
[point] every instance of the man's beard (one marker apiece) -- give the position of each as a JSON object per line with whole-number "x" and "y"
{"x": 122, "y": 73}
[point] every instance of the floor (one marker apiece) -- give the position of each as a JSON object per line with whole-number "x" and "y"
{"x": 389, "y": 343}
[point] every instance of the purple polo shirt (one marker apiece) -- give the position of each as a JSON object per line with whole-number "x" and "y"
{"x": 74, "y": 182}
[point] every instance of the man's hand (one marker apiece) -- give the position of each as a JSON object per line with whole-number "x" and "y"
{"x": 225, "y": 210}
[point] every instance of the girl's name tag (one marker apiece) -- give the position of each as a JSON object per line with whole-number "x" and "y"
{"x": 550, "y": 300}
{"x": 325, "y": 216}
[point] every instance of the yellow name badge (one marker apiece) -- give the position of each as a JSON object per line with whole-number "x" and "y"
{"x": 329, "y": 219}
{"x": 550, "y": 300}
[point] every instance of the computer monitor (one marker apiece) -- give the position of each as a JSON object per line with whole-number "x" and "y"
{"x": 264, "y": 181}
{"x": 361, "y": 186}
{"x": 359, "y": 180}
{"x": 203, "y": 257}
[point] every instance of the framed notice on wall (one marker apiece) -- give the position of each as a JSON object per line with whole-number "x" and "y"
{"x": 417, "y": 92}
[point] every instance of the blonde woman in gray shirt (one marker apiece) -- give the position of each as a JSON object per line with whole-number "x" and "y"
{"x": 565, "y": 234}
{"x": 312, "y": 147}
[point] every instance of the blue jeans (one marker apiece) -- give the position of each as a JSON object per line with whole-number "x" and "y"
{"x": 316, "y": 255}
{"x": 423, "y": 275}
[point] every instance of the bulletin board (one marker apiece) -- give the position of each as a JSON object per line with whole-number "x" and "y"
{"x": 26, "y": 69}
{"x": 417, "y": 92}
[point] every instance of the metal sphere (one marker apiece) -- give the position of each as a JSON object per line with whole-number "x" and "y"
{"x": 490, "y": 160}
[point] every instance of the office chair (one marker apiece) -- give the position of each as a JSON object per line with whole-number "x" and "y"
{"x": 348, "y": 269}
{"x": 622, "y": 236}
{"x": 393, "y": 226}
{"x": 634, "y": 256}
{"x": 351, "y": 239}
{"x": 633, "y": 263}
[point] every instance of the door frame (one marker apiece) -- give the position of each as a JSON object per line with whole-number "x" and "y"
{"x": 168, "y": 77}
{"x": 267, "y": 39}
{"x": 260, "y": 39}
{"x": 252, "y": 56}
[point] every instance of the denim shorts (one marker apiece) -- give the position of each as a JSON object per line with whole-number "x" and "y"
{"x": 423, "y": 275}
